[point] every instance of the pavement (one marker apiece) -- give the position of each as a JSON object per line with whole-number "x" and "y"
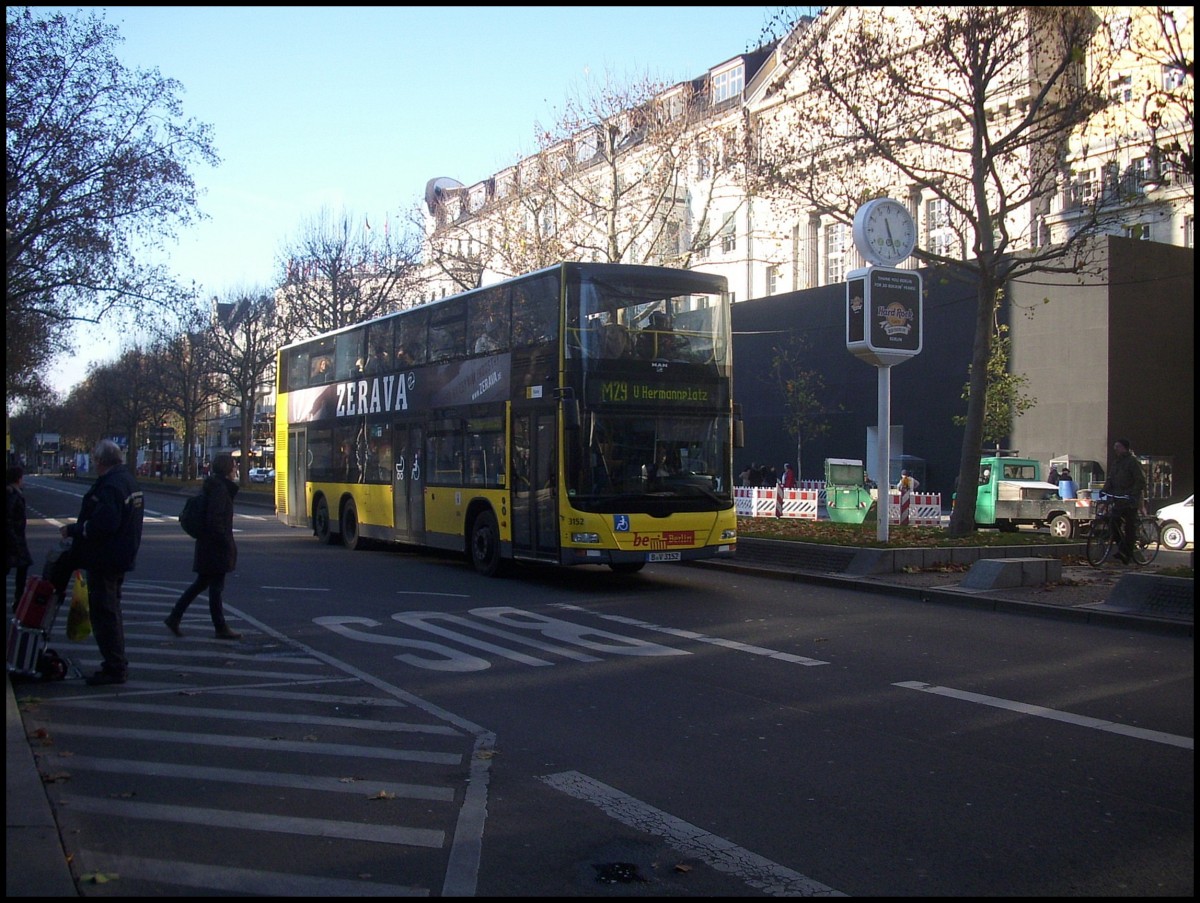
{"x": 36, "y": 864}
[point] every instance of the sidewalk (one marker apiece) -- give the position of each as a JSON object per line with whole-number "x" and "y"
{"x": 34, "y": 862}
{"x": 36, "y": 865}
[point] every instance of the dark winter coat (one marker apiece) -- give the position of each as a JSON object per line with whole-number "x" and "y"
{"x": 108, "y": 532}
{"x": 216, "y": 552}
{"x": 16, "y": 548}
{"x": 1126, "y": 478}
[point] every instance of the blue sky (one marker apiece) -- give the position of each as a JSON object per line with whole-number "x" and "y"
{"x": 357, "y": 108}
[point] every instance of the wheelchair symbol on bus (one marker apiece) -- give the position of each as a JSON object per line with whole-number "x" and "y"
{"x": 621, "y": 523}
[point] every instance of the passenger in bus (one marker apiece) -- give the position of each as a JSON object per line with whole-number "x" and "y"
{"x": 323, "y": 370}
{"x": 616, "y": 342}
{"x": 379, "y": 362}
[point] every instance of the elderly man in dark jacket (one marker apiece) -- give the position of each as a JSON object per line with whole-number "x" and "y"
{"x": 216, "y": 552}
{"x": 106, "y": 538}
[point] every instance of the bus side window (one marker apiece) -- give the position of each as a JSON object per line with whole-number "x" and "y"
{"x": 412, "y": 338}
{"x": 448, "y": 330}
{"x": 488, "y": 314}
{"x": 535, "y": 308}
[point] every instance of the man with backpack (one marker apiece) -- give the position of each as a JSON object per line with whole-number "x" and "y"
{"x": 216, "y": 552}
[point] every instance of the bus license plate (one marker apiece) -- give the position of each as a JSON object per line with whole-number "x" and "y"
{"x": 662, "y": 556}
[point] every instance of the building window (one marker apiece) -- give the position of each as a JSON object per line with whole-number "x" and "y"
{"x": 1139, "y": 231}
{"x": 939, "y": 237}
{"x": 837, "y": 241}
{"x": 585, "y": 147}
{"x": 703, "y": 241}
{"x": 728, "y": 83}
{"x": 728, "y": 236}
{"x": 1173, "y": 77}
{"x": 773, "y": 279}
{"x": 1122, "y": 89}
{"x": 704, "y": 160}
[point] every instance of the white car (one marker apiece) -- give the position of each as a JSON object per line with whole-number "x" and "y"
{"x": 262, "y": 475}
{"x": 1175, "y": 524}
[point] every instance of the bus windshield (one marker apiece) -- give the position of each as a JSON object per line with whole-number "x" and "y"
{"x": 645, "y": 319}
{"x": 638, "y": 456}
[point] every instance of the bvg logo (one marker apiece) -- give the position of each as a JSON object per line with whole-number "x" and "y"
{"x": 614, "y": 391}
{"x": 664, "y": 540}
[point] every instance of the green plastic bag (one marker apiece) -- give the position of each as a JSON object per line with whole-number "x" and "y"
{"x": 79, "y": 617}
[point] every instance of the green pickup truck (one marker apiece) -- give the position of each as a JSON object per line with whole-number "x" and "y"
{"x": 1012, "y": 492}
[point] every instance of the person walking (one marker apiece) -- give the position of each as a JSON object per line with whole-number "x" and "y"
{"x": 1126, "y": 478}
{"x": 105, "y": 541}
{"x": 216, "y": 552}
{"x": 16, "y": 547}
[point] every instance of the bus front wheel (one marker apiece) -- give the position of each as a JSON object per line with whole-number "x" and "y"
{"x": 322, "y": 526}
{"x": 485, "y": 544}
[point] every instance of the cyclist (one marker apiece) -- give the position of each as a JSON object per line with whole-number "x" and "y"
{"x": 1126, "y": 478}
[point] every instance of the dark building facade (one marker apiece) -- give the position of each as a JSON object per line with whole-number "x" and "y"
{"x": 1104, "y": 357}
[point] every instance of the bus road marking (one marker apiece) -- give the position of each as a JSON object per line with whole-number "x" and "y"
{"x": 1038, "y": 711}
{"x": 440, "y": 657}
{"x": 725, "y": 856}
{"x": 700, "y": 638}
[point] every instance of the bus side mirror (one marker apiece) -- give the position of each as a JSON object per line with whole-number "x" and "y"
{"x": 739, "y": 428}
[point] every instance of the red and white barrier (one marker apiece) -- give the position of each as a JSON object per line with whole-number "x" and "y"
{"x": 803, "y": 503}
{"x": 755, "y": 501}
{"x": 923, "y": 509}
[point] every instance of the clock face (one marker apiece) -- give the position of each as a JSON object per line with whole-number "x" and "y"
{"x": 884, "y": 231}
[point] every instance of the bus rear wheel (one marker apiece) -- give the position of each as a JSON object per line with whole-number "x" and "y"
{"x": 351, "y": 537}
{"x": 322, "y": 526}
{"x": 485, "y": 544}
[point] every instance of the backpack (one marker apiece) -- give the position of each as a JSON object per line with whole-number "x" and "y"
{"x": 192, "y": 516}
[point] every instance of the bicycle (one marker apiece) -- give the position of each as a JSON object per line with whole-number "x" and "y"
{"x": 1104, "y": 537}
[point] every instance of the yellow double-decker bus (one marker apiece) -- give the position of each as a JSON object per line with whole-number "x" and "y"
{"x": 580, "y": 414}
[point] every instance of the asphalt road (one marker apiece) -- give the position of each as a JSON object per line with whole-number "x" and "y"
{"x": 393, "y": 724}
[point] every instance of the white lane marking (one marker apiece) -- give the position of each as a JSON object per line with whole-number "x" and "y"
{"x": 360, "y": 724}
{"x": 193, "y": 772}
{"x": 345, "y": 750}
{"x": 238, "y": 881}
{"x": 1038, "y": 711}
{"x": 757, "y": 871}
{"x": 699, "y": 637}
{"x": 254, "y": 821}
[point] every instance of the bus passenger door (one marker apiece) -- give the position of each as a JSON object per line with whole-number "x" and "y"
{"x": 297, "y": 476}
{"x": 534, "y": 492}
{"x": 408, "y": 482}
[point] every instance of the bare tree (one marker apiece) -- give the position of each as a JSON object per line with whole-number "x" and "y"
{"x": 973, "y": 106}
{"x": 97, "y": 169}
{"x": 339, "y": 270}
{"x": 127, "y": 392}
{"x": 245, "y": 339}
{"x": 628, "y": 172}
{"x": 186, "y": 369}
{"x": 1159, "y": 42}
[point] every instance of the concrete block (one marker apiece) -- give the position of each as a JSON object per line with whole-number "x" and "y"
{"x": 999, "y": 573}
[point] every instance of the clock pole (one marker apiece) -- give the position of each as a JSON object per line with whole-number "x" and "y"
{"x": 884, "y": 318}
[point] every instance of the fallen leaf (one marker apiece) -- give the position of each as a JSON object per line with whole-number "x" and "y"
{"x": 99, "y": 877}
{"x": 56, "y": 778}
{"x": 382, "y": 795}
{"x": 681, "y": 867}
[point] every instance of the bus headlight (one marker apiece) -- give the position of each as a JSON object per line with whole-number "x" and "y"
{"x": 729, "y": 534}
{"x": 593, "y": 538}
